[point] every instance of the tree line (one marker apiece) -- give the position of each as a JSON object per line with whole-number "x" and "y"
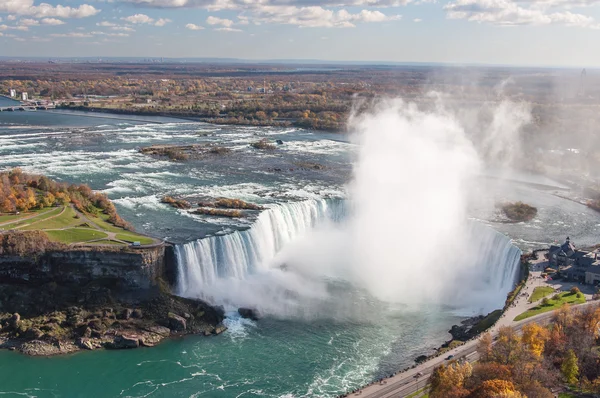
{"x": 530, "y": 363}
{"x": 20, "y": 192}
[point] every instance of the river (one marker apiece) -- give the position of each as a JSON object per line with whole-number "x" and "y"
{"x": 301, "y": 355}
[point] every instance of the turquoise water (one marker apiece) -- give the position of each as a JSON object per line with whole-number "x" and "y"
{"x": 302, "y": 356}
{"x": 270, "y": 358}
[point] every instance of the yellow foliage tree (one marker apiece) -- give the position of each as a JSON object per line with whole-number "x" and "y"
{"x": 534, "y": 338}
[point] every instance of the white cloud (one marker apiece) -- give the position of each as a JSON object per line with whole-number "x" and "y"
{"x": 52, "y": 21}
{"x": 71, "y": 34}
{"x": 11, "y": 17}
{"x": 417, "y": 20}
{"x": 513, "y": 12}
{"x": 29, "y": 22}
{"x": 123, "y": 28}
{"x": 27, "y": 7}
{"x": 304, "y": 13}
{"x": 105, "y": 23}
{"x": 139, "y": 19}
{"x": 162, "y": 22}
{"x": 228, "y": 30}
{"x": 192, "y": 26}
{"x": 216, "y": 5}
{"x": 1, "y": 34}
{"x": 315, "y": 16}
{"x": 219, "y": 21}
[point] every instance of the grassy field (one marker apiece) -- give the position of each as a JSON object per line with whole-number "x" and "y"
{"x": 18, "y": 224}
{"x": 122, "y": 234}
{"x": 563, "y": 298}
{"x": 63, "y": 224}
{"x": 10, "y": 217}
{"x": 76, "y": 235}
{"x": 540, "y": 292}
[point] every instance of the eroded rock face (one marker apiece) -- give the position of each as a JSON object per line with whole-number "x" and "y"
{"x": 125, "y": 342}
{"x": 177, "y": 323}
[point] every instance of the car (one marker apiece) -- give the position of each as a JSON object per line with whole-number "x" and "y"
{"x": 419, "y": 374}
{"x": 449, "y": 357}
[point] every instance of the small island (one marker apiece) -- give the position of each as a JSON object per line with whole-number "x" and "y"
{"x": 75, "y": 276}
{"x": 221, "y": 207}
{"x": 519, "y": 211}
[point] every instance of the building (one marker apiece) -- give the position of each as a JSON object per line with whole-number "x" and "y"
{"x": 24, "y": 96}
{"x": 573, "y": 264}
{"x": 592, "y": 275}
{"x": 13, "y": 93}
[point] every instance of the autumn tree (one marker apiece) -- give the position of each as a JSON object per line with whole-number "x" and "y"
{"x": 570, "y": 368}
{"x": 448, "y": 381}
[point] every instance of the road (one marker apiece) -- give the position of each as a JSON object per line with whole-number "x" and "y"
{"x": 406, "y": 383}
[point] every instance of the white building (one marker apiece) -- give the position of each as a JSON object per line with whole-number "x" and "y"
{"x": 13, "y": 93}
{"x": 24, "y": 96}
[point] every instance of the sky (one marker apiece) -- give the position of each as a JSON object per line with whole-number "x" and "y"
{"x": 505, "y": 32}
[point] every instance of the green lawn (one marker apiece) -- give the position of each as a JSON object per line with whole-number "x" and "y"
{"x": 133, "y": 237}
{"x": 76, "y": 235}
{"x": 10, "y": 217}
{"x": 66, "y": 219}
{"x": 122, "y": 234}
{"x": 41, "y": 217}
{"x": 63, "y": 226}
{"x": 564, "y": 298}
{"x": 540, "y": 292}
{"x": 566, "y": 395}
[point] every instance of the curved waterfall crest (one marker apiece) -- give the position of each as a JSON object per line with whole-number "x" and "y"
{"x": 235, "y": 255}
{"x": 489, "y": 265}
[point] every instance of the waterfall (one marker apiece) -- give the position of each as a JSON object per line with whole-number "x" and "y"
{"x": 475, "y": 276}
{"x": 240, "y": 253}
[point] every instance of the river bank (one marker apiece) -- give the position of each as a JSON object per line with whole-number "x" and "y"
{"x": 217, "y": 120}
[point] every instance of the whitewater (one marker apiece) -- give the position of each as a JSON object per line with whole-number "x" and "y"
{"x": 328, "y": 333}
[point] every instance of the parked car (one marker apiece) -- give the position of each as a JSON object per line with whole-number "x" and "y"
{"x": 449, "y": 357}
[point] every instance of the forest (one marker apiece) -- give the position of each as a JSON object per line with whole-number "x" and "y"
{"x": 535, "y": 363}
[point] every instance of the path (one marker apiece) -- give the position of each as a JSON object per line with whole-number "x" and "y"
{"x": 408, "y": 382}
{"x": 25, "y": 218}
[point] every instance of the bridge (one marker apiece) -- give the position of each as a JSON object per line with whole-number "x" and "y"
{"x": 26, "y": 108}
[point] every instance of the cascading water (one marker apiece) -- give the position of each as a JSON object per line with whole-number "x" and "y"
{"x": 240, "y": 253}
{"x": 489, "y": 267}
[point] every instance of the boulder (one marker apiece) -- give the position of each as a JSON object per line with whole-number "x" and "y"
{"x": 177, "y": 323}
{"x": 248, "y": 313}
{"x": 124, "y": 342}
{"x": 14, "y": 321}
{"x": 137, "y": 313}
{"x": 126, "y": 313}
{"x": 219, "y": 329}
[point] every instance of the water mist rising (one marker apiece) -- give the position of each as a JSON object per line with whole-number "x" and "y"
{"x": 405, "y": 236}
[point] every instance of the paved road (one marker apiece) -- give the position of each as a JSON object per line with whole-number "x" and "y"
{"x": 406, "y": 383}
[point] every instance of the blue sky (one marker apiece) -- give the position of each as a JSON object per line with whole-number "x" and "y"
{"x": 511, "y": 32}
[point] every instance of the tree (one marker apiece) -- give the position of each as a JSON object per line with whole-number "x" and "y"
{"x": 495, "y": 388}
{"x": 534, "y": 338}
{"x": 507, "y": 346}
{"x": 570, "y": 368}
{"x": 484, "y": 347}
{"x": 448, "y": 381}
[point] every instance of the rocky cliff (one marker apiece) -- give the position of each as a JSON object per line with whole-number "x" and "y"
{"x": 62, "y": 299}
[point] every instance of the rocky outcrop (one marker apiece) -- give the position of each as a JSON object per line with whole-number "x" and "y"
{"x": 176, "y": 322}
{"x": 249, "y": 313}
{"x": 58, "y": 302}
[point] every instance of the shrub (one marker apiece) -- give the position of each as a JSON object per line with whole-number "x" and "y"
{"x": 575, "y": 290}
{"x": 545, "y": 301}
{"x": 263, "y": 144}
